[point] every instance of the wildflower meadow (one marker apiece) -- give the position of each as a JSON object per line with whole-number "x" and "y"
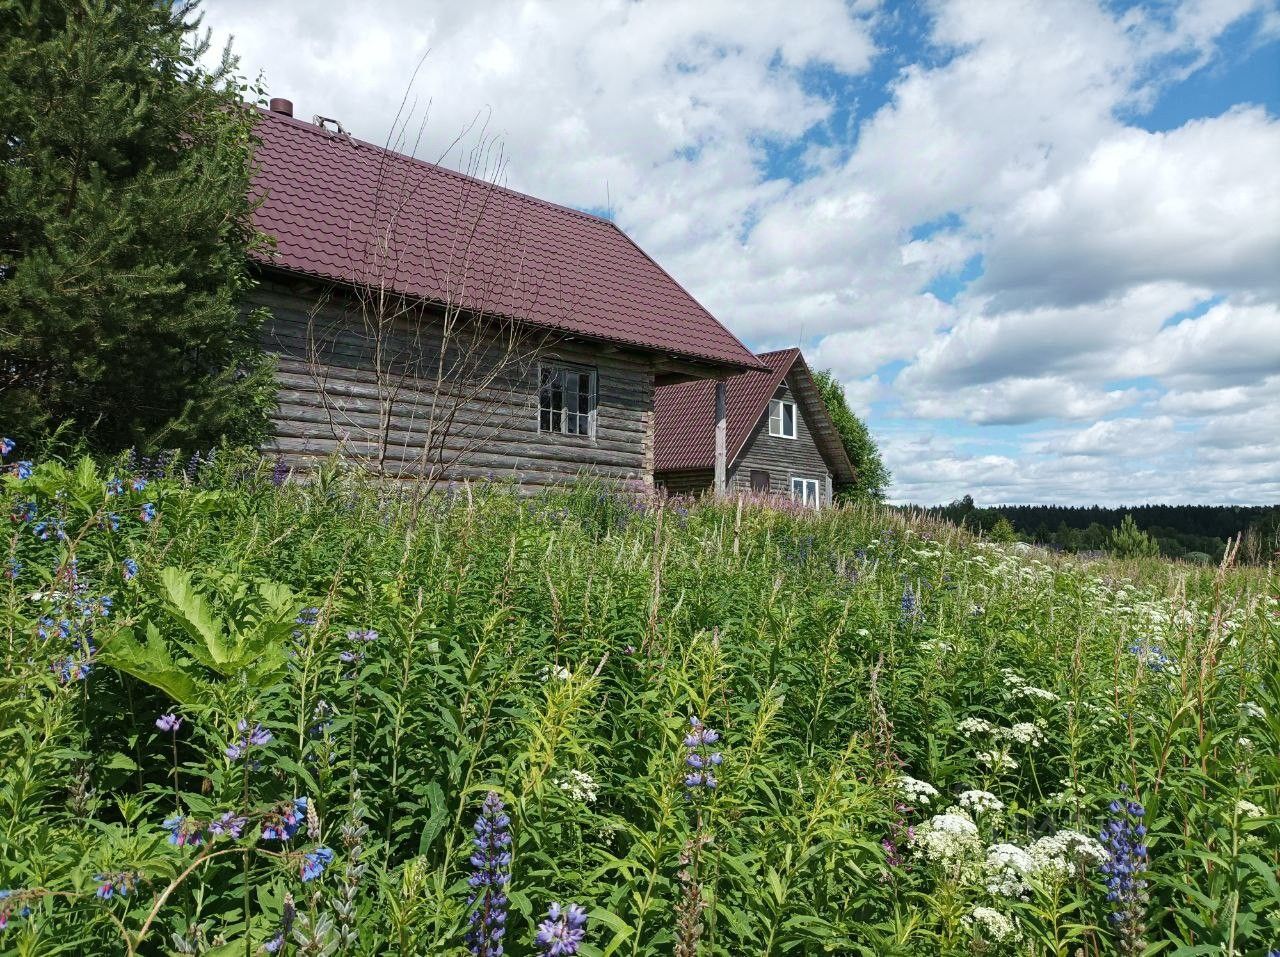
{"x": 245, "y": 714}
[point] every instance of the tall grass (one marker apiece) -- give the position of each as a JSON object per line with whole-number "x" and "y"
{"x": 552, "y": 650}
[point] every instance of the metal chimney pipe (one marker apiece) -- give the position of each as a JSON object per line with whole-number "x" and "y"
{"x": 281, "y": 105}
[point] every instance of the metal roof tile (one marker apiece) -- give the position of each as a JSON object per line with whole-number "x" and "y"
{"x": 326, "y": 196}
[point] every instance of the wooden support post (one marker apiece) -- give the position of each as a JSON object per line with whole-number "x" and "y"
{"x": 721, "y": 464}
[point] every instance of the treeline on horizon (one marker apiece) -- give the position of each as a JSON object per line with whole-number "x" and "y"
{"x": 1195, "y": 532}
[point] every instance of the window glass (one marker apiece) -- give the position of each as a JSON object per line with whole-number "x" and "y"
{"x": 566, "y": 400}
{"x": 805, "y": 491}
{"x": 782, "y": 418}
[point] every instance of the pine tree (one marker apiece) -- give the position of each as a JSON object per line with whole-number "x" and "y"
{"x": 1003, "y": 531}
{"x": 1129, "y": 541}
{"x": 871, "y": 476}
{"x": 124, "y": 227}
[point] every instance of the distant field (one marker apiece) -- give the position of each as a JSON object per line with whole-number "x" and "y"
{"x": 928, "y": 744}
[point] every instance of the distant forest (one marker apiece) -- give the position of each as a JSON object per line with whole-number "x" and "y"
{"x": 1194, "y": 532}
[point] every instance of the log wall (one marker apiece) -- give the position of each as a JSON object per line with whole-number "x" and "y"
{"x": 783, "y": 459}
{"x": 330, "y": 387}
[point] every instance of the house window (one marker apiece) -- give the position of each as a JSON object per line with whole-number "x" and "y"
{"x": 782, "y": 418}
{"x": 566, "y": 400}
{"x": 805, "y": 491}
{"x": 760, "y": 481}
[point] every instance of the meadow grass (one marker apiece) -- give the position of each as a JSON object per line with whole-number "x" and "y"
{"x": 278, "y": 734}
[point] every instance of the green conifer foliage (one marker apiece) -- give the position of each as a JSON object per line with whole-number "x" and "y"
{"x": 124, "y": 227}
{"x": 1129, "y": 541}
{"x": 872, "y": 476}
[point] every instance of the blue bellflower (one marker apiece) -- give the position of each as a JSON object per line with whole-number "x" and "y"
{"x": 285, "y": 821}
{"x": 314, "y": 862}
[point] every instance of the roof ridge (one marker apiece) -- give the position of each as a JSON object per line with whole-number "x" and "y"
{"x": 315, "y": 130}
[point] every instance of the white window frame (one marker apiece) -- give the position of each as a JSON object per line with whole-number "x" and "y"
{"x": 778, "y": 419}
{"x": 564, "y": 421}
{"x": 801, "y": 489}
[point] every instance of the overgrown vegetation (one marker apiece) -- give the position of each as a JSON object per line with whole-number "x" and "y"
{"x": 871, "y": 476}
{"x": 239, "y": 714}
{"x": 124, "y": 228}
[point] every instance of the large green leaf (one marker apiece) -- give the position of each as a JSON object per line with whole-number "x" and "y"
{"x": 153, "y": 663}
{"x": 195, "y": 616}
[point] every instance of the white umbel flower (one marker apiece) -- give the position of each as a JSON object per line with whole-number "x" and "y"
{"x": 1066, "y": 854}
{"x": 579, "y": 785}
{"x": 992, "y": 925}
{"x": 980, "y": 801}
{"x": 947, "y": 839}
{"x": 1024, "y": 732}
{"x": 1249, "y": 809}
{"x": 998, "y": 759}
{"x": 1008, "y": 870}
{"x": 917, "y": 792}
{"x": 975, "y": 726}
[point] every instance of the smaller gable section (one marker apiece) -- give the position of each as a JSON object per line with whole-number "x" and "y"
{"x": 684, "y": 416}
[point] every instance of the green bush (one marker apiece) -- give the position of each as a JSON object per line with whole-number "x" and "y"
{"x": 393, "y": 660}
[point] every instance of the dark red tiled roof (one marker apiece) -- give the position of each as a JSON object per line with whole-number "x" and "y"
{"x": 684, "y": 416}
{"x": 684, "y": 433}
{"x": 453, "y": 238}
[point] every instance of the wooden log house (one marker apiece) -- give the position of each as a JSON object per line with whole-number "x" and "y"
{"x": 780, "y": 438}
{"x": 428, "y": 322}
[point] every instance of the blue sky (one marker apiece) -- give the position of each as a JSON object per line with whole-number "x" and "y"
{"x": 1036, "y": 239}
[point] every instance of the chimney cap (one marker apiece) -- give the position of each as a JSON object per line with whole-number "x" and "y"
{"x": 280, "y": 105}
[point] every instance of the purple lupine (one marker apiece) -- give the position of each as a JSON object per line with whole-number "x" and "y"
{"x": 183, "y": 831}
{"x": 699, "y": 757}
{"x": 279, "y": 472}
{"x": 491, "y": 872}
{"x": 364, "y": 635}
{"x": 147, "y": 513}
{"x": 169, "y": 722}
{"x": 563, "y": 932}
{"x": 314, "y": 862}
{"x": 256, "y": 738}
{"x": 229, "y": 825}
{"x": 287, "y": 913}
{"x": 909, "y": 607}
{"x": 1124, "y": 838}
{"x": 1150, "y": 655}
{"x": 284, "y": 821}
